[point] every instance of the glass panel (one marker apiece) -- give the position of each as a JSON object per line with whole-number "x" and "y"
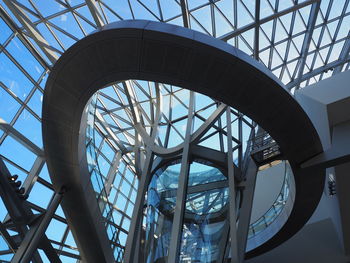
{"x": 161, "y": 200}
{"x": 205, "y": 215}
{"x": 200, "y": 173}
{"x": 8, "y": 106}
{"x": 5, "y": 31}
{"x": 13, "y": 78}
{"x": 22, "y": 55}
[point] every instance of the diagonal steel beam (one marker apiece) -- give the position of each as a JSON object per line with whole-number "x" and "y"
{"x": 232, "y": 192}
{"x": 95, "y": 12}
{"x": 185, "y": 13}
{"x": 110, "y": 132}
{"x": 7, "y": 128}
{"x": 246, "y": 209}
{"x": 135, "y": 226}
{"x": 243, "y": 29}
{"x": 257, "y": 26}
{"x": 318, "y": 71}
{"x": 315, "y": 8}
{"x": 8, "y": 239}
{"x": 34, "y": 33}
{"x": 344, "y": 54}
{"x": 176, "y": 231}
{"x": 34, "y": 236}
{"x": 21, "y": 36}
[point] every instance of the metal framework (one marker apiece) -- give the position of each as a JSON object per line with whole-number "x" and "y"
{"x": 177, "y": 119}
{"x": 301, "y": 42}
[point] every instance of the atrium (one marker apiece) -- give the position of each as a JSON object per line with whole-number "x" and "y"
{"x": 174, "y": 131}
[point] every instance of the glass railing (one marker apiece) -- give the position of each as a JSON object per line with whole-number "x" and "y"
{"x": 269, "y": 224}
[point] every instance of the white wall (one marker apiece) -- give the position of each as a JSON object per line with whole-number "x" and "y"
{"x": 268, "y": 186}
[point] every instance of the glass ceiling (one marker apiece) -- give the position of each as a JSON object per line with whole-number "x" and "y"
{"x": 301, "y": 42}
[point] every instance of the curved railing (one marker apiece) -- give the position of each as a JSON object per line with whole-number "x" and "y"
{"x": 268, "y": 224}
{"x": 98, "y": 181}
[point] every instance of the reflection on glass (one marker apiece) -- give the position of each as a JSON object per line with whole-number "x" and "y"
{"x": 204, "y": 217}
{"x": 161, "y": 200}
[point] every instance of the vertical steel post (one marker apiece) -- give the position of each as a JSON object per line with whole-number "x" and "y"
{"x": 246, "y": 209}
{"x": 176, "y": 232}
{"x": 135, "y": 226}
{"x": 232, "y": 191}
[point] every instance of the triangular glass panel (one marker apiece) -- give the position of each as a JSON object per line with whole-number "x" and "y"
{"x": 264, "y": 56}
{"x": 265, "y": 9}
{"x": 244, "y": 46}
{"x": 298, "y": 41}
{"x": 170, "y": 8}
{"x": 68, "y": 23}
{"x": 286, "y": 20}
{"x": 324, "y": 52}
{"x": 226, "y": 8}
{"x": 264, "y": 40}
{"x": 318, "y": 62}
{"x": 305, "y": 13}
{"x": 344, "y": 29}
{"x": 222, "y": 26}
{"x": 280, "y": 32}
{"x": 124, "y": 10}
{"x": 336, "y": 9}
{"x": 337, "y": 48}
{"x": 298, "y": 24}
{"x": 174, "y": 138}
{"x": 203, "y": 16}
{"x": 282, "y": 48}
{"x": 212, "y": 142}
{"x": 276, "y": 59}
{"x": 244, "y": 17}
{"x": 267, "y": 27}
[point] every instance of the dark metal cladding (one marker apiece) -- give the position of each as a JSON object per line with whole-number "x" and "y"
{"x": 174, "y": 55}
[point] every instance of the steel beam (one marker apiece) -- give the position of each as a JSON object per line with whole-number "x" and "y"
{"x": 344, "y": 54}
{"x": 21, "y": 36}
{"x": 34, "y": 236}
{"x": 196, "y": 136}
{"x": 318, "y": 71}
{"x": 137, "y": 118}
{"x": 246, "y": 209}
{"x": 20, "y": 14}
{"x": 176, "y": 231}
{"x": 95, "y": 12}
{"x": 185, "y": 13}
{"x": 112, "y": 172}
{"x": 8, "y": 239}
{"x": 307, "y": 40}
{"x": 33, "y": 174}
{"x": 10, "y": 130}
{"x": 32, "y": 177}
{"x": 243, "y": 29}
{"x": 232, "y": 191}
{"x": 256, "y": 31}
{"x": 223, "y": 243}
{"x": 20, "y": 213}
{"x": 135, "y": 226}
{"x": 110, "y": 132}
{"x": 198, "y": 188}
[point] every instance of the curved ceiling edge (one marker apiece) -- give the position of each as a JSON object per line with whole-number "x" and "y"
{"x": 174, "y": 55}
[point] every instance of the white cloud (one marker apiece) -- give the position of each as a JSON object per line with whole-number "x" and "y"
{"x": 63, "y": 18}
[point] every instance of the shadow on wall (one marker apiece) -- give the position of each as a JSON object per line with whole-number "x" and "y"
{"x": 315, "y": 243}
